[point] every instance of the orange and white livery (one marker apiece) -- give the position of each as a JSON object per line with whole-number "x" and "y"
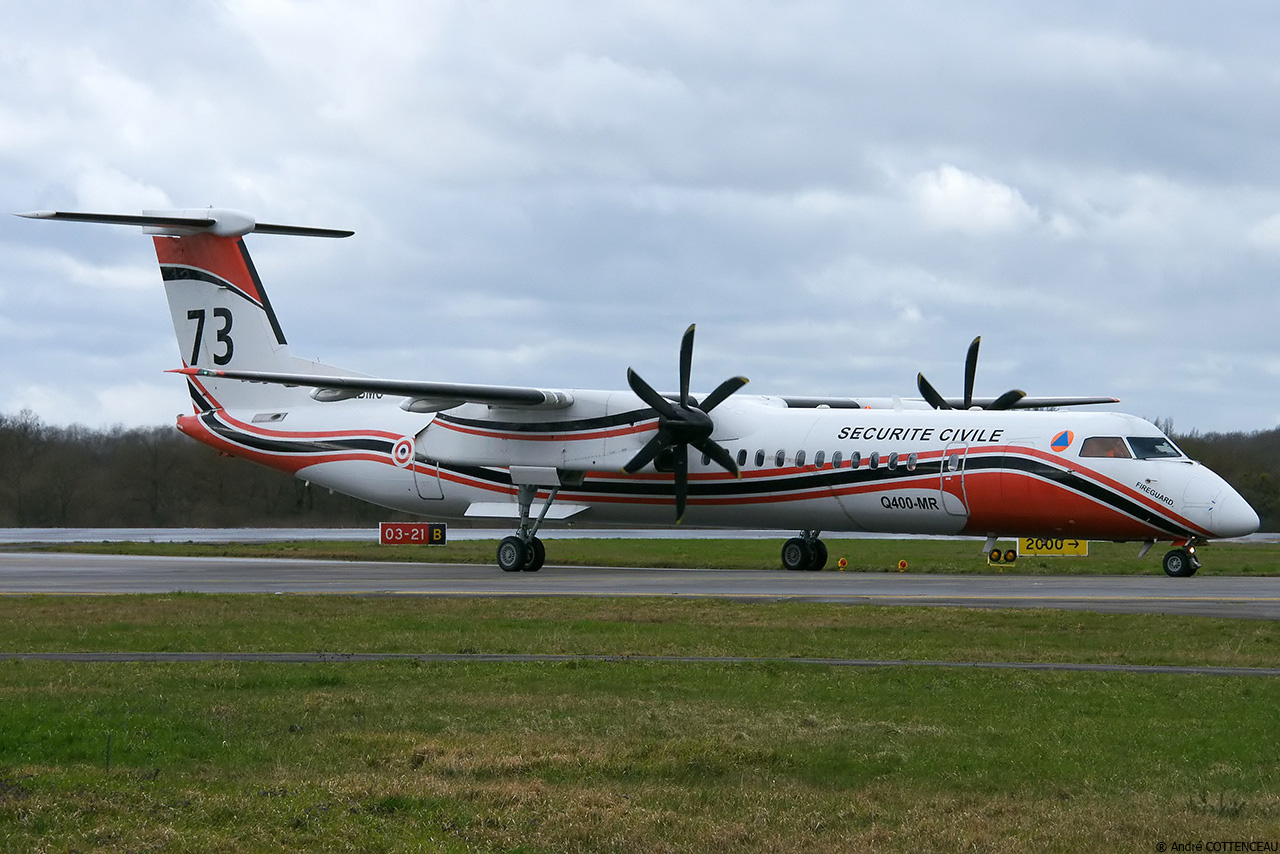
{"x": 933, "y": 465}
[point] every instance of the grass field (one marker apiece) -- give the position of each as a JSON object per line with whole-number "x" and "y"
{"x": 626, "y": 756}
{"x": 935, "y": 556}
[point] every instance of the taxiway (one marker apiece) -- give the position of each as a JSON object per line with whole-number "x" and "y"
{"x": 63, "y": 573}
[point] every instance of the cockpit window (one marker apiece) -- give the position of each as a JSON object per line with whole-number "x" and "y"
{"x": 1153, "y": 447}
{"x": 1105, "y": 446}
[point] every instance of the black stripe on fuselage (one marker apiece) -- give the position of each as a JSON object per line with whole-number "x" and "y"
{"x": 281, "y": 445}
{"x": 198, "y": 397}
{"x": 604, "y": 422}
{"x": 821, "y": 479}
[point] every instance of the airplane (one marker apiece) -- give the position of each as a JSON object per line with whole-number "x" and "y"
{"x": 983, "y": 467}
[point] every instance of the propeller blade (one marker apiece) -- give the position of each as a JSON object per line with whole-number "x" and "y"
{"x": 722, "y": 457}
{"x": 686, "y": 363}
{"x": 645, "y": 392}
{"x": 646, "y": 454}
{"x": 682, "y": 424}
{"x": 970, "y": 371}
{"x": 681, "y": 466}
{"x": 929, "y": 393}
{"x": 1008, "y": 399}
{"x": 722, "y": 391}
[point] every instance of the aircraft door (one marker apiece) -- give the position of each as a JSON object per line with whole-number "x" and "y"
{"x": 951, "y": 480}
{"x": 426, "y": 477}
{"x": 426, "y": 472}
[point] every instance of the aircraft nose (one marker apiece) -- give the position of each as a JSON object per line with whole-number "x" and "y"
{"x": 1232, "y": 516}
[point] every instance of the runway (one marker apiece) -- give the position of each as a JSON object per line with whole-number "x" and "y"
{"x": 61, "y": 573}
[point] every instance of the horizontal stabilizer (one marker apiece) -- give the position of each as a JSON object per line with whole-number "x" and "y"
{"x": 429, "y": 392}
{"x": 224, "y": 223}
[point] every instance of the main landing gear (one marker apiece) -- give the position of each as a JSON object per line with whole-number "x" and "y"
{"x": 805, "y": 552}
{"x": 523, "y": 551}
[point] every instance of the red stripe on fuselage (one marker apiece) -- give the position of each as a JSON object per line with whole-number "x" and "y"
{"x": 546, "y": 437}
{"x": 194, "y": 426}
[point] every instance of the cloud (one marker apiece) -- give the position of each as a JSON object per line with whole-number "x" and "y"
{"x": 951, "y": 199}
{"x": 839, "y": 194}
{"x": 1266, "y": 234}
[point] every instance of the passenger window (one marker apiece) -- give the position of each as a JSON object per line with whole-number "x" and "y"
{"x": 760, "y": 459}
{"x": 953, "y": 462}
{"x": 893, "y": 461}
{"x": 836, "y": 459}
{"x": 911, "y": 462}
{"x": 742, "y": 457}
{"x": 855, "y": 459}
{"x": 706, "y": 460}
{"x": 874, "y": 460}
{"x": 819, "y": 458}
{"x": 799, "y": 458}
{"x": 1105, "y": 446}
{"x": 780, "y": 459}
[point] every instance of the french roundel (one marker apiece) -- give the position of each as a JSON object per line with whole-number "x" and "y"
{"x": 1062, "y": 441}
{"x": 402, "y": 452}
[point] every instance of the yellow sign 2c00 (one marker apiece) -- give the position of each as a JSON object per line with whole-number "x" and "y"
{"x": 1043, "y": 546}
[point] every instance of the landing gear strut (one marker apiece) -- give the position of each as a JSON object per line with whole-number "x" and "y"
{"x": 805, "y": 552}
{"x": 1181, "y": 563}
{"x": 523, "y": 551}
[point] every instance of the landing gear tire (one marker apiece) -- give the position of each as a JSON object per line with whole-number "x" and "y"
{"x": 819, "y": 556}
{"x": 537, "y": 555}
{"x": 1179, "y": 563}
{"x": 796, "y": 554}
{"x": 801, "y": 555}
{"x": 513, "y": 554}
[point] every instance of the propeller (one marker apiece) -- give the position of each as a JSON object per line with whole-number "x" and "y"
{"x": 1005, "y": 401}
{"x": 683, "y": 424}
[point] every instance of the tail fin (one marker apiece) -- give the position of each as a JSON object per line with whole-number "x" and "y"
{"x": 221, "y": 315}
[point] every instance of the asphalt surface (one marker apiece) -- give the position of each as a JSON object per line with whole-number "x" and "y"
{"x": 60, "y": 573}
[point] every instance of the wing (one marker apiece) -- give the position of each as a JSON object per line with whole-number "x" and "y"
{"x": 421, "y": 396}
{"x": 797, "y": 402}
{"x": 1038, "y": 402}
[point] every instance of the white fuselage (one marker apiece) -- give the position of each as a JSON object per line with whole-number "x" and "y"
{"x": 875, "y": 470}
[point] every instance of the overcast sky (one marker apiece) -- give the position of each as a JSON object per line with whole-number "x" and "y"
{"x": 547, "y": 193}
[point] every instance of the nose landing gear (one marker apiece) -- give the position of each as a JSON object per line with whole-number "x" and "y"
{"x": 1181, "y": 563}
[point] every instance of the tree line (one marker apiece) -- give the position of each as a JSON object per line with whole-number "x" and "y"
{"x": 152, "y": 477}
{"x": 149, "y": 477}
